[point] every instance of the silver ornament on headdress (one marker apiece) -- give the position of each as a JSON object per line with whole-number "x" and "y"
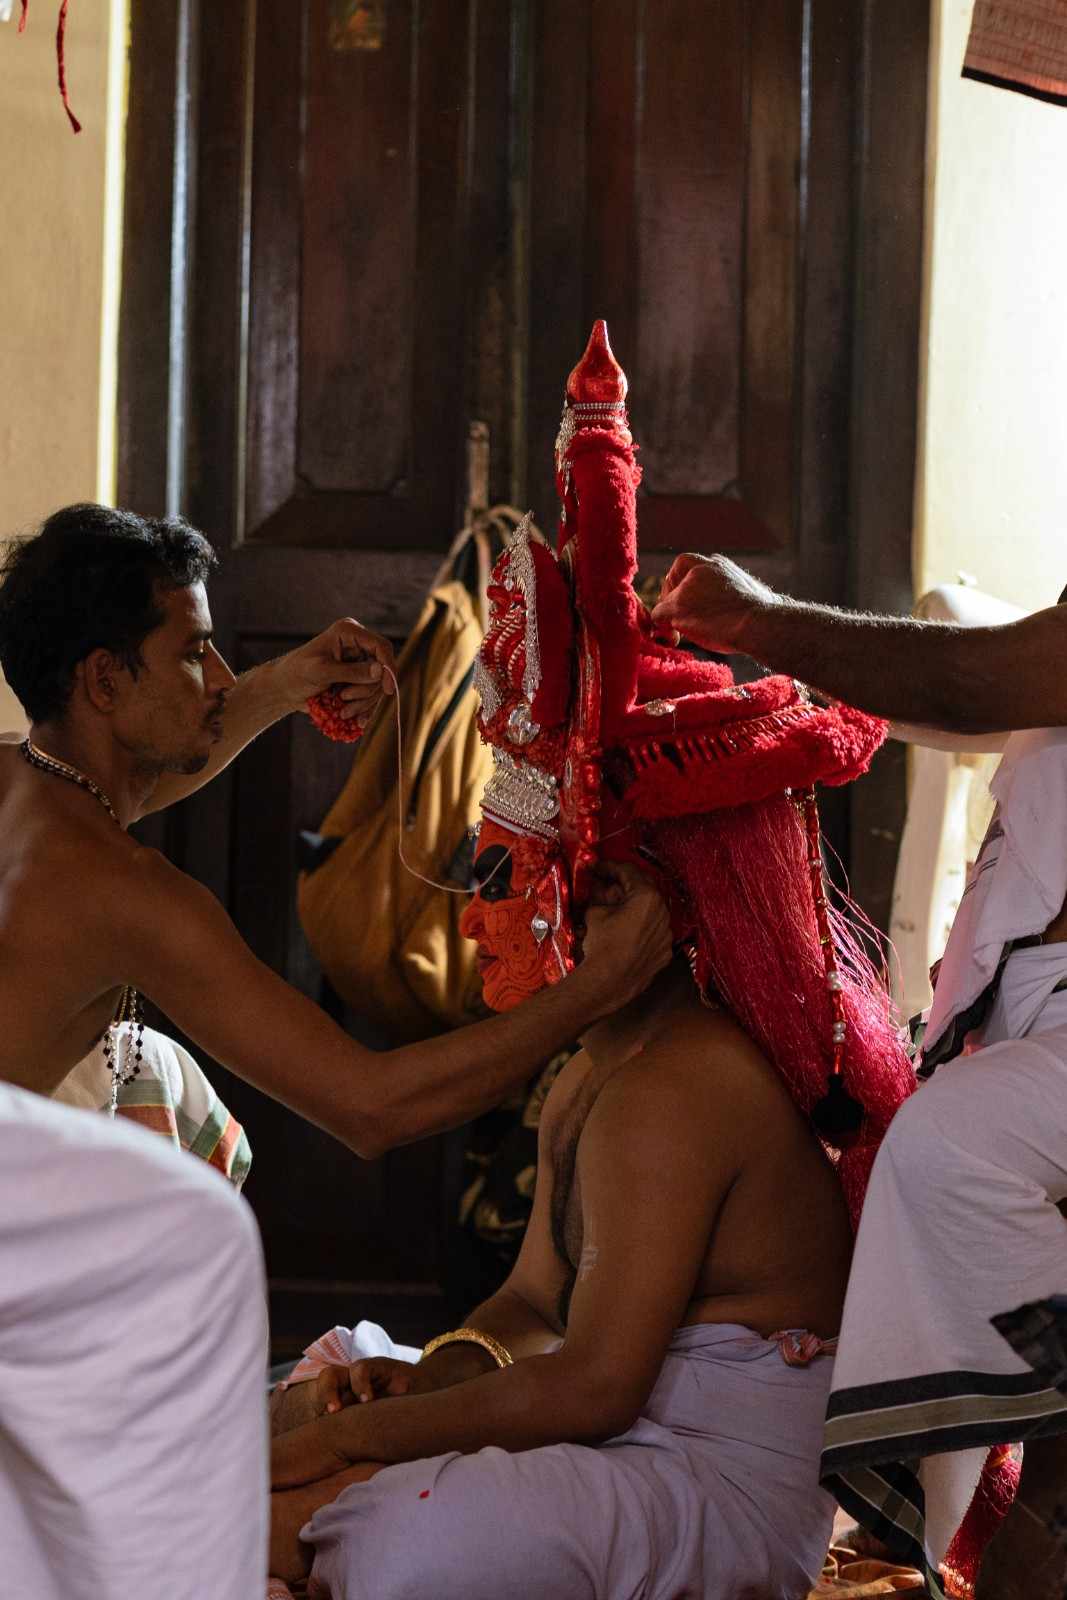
{"x": 523, "y": 795}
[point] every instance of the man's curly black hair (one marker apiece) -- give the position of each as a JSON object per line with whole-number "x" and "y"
{"x": 89, "y": 579}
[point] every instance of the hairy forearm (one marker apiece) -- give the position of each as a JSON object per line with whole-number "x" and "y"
{"x": 971, "y": 680}
{"x": 255, "y": 702}
{"x": 540, "y": 1401}
{"x": 438, "y": 1083}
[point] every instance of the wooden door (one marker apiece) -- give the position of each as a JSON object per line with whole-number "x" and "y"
{"x": 401, "y": 217}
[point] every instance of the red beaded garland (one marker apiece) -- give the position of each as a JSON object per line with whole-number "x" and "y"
{"x": 325, "y": 712}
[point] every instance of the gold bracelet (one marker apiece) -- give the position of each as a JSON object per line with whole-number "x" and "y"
{"x": 500, "y": 1353}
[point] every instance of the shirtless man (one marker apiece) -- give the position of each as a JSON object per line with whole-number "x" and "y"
{"x": 124, "y": 1269}
{"x": 636, "y": 1413}
{"x": 85, "y": 910}
{"x": 684, "y": 1216}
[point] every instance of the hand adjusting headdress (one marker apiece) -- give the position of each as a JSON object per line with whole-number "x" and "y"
{"x": 609, "y": 744}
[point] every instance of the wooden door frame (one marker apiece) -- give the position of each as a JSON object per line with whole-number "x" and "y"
{"x": 889, "y": 189}
{"x": 173, "y": 181}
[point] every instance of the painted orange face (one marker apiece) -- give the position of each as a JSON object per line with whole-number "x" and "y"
{"x": 515, "y": 901}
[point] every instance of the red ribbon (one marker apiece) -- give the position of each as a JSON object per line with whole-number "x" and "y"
{"x": 61, "y": 64}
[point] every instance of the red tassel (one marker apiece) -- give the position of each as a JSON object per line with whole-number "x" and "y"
{"x": 22, "y": 19}
{"x": 61, "y": 34}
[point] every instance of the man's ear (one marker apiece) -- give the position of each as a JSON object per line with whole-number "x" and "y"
{"x": 99, "y": 673}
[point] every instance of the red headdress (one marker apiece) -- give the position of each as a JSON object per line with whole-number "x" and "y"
{"x": 610, "y": 744}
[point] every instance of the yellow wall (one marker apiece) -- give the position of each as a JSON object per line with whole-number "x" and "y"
{"x": 56, "y": 268}
{"x": 992, "y": 480}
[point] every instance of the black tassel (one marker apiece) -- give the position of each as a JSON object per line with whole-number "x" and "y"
{"x": 838, "y": 1116}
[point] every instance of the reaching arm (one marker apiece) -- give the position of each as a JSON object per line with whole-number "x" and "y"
{"x": 177, "y": 945}
{"x": 971, "y": 680}
{"x": 656, "y": 1159}
{"x": 966, "y": 744}
{"x": 346, "y": 653}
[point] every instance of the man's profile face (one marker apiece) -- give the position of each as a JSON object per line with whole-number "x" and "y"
{"x": 509, "y": 869}
{"x": 170, "y": 714}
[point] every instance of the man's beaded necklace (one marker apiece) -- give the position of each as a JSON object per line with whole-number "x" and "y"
{"x": 129, "y": 1006}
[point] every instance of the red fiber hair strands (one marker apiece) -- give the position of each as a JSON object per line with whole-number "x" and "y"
{"x": 61, "y": 57}
{"x": 745, "y": 875}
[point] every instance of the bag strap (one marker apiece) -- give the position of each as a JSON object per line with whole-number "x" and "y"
{"x": 434, "y": 738}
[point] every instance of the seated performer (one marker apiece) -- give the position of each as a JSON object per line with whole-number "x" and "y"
{"x": 638, "y": 1410}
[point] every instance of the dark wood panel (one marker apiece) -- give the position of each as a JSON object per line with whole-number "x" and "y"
{"x": 556, "y": 77}
{"x": 778, "y": 99}
{"x": 890, "y": 195}
{"x": 276, "y": 57}
{"x": 358, "y": 246}
{"x": 610, "y": 199}
{"x": 493, "y": 335}
{"x": 356, "y": 372}
{"x": 691, "y": 178}
{"x": 213, "y": 470}
{"x": 668, "y": 175}
{"x": 144, "y": 317}
{"x": 826, "y": 268}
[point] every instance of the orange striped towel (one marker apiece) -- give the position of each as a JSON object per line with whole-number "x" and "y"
{"x": 170, "y": 1096}
{"x": 1020, "y": 44}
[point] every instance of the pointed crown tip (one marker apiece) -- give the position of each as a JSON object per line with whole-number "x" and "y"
{"x": 598, "y": 376}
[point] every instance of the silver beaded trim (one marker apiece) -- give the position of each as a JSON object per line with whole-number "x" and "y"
{"x": 522, "y": 566}
{"x": 488, "y": 688}
{"x": 522, "y": 794}
{"x": 584, "y": 411}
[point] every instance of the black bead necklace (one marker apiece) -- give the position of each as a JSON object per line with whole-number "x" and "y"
{"x": 129, "y": 1008}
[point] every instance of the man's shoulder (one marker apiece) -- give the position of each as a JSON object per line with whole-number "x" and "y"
{"x": 100, "y": 876}
{"x": 702, "y": 1065}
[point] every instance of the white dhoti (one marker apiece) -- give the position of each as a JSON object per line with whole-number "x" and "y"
{"x": 133, "y": 1458}
{"x": 960, "y": 1224}
{"x": 712, "y": 1492}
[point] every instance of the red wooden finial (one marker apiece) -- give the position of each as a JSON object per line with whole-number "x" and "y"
{"x": 598, "y": 376}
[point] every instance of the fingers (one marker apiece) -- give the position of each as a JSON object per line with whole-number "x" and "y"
{"x": 378, "y": 1377}
{"x": 334, "y": 1391}
{"x": 354, "y": 643}
{"x": 680, "y": 567}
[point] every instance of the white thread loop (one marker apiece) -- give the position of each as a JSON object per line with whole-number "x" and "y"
{"x": 448, "y": 888}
